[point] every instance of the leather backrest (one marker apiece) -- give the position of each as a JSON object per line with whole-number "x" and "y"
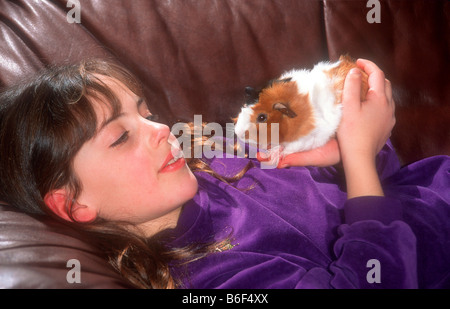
{"x": 196, "y": 57}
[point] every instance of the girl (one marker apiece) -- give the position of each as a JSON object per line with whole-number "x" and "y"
{"x": 78, "y": 143}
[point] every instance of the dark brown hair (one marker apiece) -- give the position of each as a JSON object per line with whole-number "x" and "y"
{"x": 43, "y": 124}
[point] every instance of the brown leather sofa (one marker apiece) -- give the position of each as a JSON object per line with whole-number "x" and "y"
{"x": 196, "y": 57}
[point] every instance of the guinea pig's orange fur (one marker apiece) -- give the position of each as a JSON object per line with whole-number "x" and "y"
{"x": 286, "y": 92}
{"x": 340, "y": 72}
{"x": 309, "y": 115}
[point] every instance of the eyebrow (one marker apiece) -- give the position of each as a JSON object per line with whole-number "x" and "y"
{"x": 139, "y": 102}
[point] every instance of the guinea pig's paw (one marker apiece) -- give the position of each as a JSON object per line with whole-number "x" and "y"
{"x": 276, "y": 150}
{"x": 263, "y": 156}
{"x": 269, "y": 154}
{"x": 271, "y": 158}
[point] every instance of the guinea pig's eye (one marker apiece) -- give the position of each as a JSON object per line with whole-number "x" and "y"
{"x": 261, "y": 118}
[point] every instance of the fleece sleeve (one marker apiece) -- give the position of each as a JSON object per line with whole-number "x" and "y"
{"x": 375, "y": 248}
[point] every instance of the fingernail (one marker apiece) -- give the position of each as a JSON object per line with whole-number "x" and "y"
{"x": 263, "y": 155}
{"x": 355, "y": 71}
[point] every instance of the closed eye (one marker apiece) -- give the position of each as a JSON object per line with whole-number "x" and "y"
{"x": 152, "y": 117}
{"x": 122, "y": 139}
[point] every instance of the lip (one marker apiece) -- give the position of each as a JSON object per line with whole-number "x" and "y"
{"x": 174, "y": 166}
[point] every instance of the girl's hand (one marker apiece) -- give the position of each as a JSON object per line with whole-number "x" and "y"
{"x": 364, "y": 129}
{"x": 326, "y": 155}
{"x": 365, "y": 126}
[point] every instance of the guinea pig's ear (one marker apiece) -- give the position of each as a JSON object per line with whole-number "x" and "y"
{"x": 251, "y": 95}
{"x": 284, "y": 109}
{"x": 249, "y": 91}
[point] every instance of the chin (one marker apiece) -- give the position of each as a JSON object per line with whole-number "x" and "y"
{"x": 186, "y": 184}
{"x": 192, "y": 184}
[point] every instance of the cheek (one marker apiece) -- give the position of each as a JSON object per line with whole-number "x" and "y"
{"x": 111, "y": 181}
{"x": 134, "y": 176}
{"x": 143, "y": 193}
{"x": 129, "y": 188}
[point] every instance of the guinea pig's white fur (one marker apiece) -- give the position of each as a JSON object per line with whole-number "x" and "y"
{"x": 327, "y": 114}
{"x": 322, "y": 86}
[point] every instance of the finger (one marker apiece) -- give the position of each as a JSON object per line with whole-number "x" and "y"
{"x": 376, "y": 76}
{"x": 389, "y": 97}
{"x": 388, "y": 90}
{"x": 326, "y": 155}
{"x": 367, "y": 66}
{"x": 351, "y": 93}
{"x": 296, "y": 159}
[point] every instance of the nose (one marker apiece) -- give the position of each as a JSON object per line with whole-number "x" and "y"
{"x": 159, "y": 133}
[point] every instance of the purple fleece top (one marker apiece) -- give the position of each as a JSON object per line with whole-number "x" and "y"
{"x": 295, "y": 228}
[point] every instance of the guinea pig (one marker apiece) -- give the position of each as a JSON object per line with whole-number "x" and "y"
{"x": 306, "y": 105}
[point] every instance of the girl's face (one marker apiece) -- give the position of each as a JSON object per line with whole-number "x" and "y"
{"x": 127, "y": 171}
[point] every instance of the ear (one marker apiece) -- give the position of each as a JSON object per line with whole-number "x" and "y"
{"x": 57, "y": 201}
{"x": 284, "y": 109}
{"x": 250, "y": 91}
{"x": 251, "y": 95}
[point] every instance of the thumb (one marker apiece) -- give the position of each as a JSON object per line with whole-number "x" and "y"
{"x": 351, "y": 93}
